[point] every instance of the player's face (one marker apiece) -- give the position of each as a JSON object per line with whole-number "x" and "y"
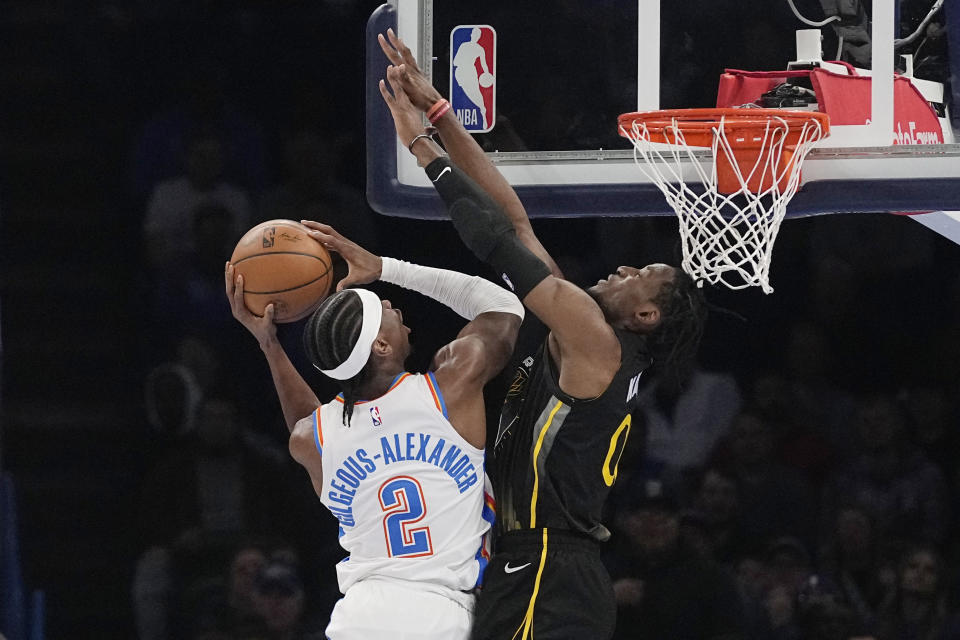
{"x": 393, "y": 329}
{"x": 628, "y": 289}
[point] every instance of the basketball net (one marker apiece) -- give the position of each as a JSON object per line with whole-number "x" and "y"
{"x": 727, "y": 228}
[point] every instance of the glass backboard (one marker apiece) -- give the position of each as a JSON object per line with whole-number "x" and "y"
{"x": 563, "y": 71}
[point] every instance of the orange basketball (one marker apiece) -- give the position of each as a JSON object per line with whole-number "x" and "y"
{"x": 282, "y": 264}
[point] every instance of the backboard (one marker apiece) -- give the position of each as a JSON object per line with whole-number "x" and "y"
{"x": 563, "y": 71}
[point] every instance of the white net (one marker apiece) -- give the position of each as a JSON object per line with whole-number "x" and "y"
{"x": 727, "y": 234}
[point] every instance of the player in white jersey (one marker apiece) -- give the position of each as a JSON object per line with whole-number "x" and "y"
{"x": 397, "y": 457}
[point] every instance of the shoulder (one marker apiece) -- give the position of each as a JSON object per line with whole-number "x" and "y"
{"x": 461, "y": 359}
{"x": 305, "y": 436}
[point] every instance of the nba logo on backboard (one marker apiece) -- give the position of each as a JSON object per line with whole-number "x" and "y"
{"x": 375, "y": 416}
{"x": 473, "y": 76}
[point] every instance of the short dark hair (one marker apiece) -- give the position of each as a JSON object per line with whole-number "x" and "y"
{"x": 329, "y": 336}
{"x": 683, "y": 316}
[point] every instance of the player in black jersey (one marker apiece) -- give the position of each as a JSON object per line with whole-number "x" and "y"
{"x": 567, "y": 415}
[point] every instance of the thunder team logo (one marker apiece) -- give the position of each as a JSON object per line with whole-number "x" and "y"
{"x": 473, "y": 86}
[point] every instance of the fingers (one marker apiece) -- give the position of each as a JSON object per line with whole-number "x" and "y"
{"x": 393, "y": 77}
{"x": 392, "y": 54}
{"x": 343, "y": 284}
{"x": 387, "y": 97}
{"x": 236, "y": 295}
{"x": 238, "y": 290}
{"x": 268, "y": 312}
{"x": 402, "y": 49}
{"x": 324, "y": 234}
{"x": 404, "y": 77}
{"x": 319, "y": 226}
{"x": 396, "y": 85}
{"x": 398, "y": 97}
{"x": 328, "y": 241}
{"x": 233, "y": 284}
{"x": 396, "y": 50}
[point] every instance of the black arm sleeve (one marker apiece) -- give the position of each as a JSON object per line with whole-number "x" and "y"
{"x": 485, "y": 228}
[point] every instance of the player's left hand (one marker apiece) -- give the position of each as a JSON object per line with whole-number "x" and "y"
{"x": 262, "y": 327}
{"x": 418, "y": 88}
{"x": 406, "y": 117}
{"x": 364, "y": 267}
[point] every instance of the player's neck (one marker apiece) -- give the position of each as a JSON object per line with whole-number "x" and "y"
{"x": 379, "y": 383}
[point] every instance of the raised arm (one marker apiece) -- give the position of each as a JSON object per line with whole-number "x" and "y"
{"x": 297, "y": 399}
{"x": 482, "y": 347}
{"x": 582, "y": 341}
{"x": 463, "y": 149}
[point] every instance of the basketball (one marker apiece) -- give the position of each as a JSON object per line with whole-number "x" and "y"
{"x": 486, "y": 79}
{"x": 282, "y": 264}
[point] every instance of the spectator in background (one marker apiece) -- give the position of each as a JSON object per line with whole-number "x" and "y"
{"x": 932, "y": 417}
{"x": 822, "y": 614}
{"x": 202, "y": 100}
{"x": 169, "y": 226}
{"x": 246, "y": 564}
{"x": 801, "y": 443}
{"x": 752, "y": 580}
{"x": 718, "y": 500}
{"x": 279, "y": 603}
{"x": 787, "y": 568}
{"x": 215, "y": 483}
{"x": 819, "y": 403}
{"x": 198, "y": 499}
{"x": 685, "y": 418}
{"x": 774, "y": 499}
{"x": 172, "y": 395}
{"x": 201, "y": 359}
{"x": 918, "y": 611}
{"x": 663, "y": 588}
{"x": 850, "y": 560}
{"x": 313, "y": 190}
{"x": 898, "y": 486}
{"x": 187, "y": 291}
{"x": 805, "y": 401}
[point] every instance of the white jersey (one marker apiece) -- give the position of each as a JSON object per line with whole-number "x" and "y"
{"x": 407, "y": 489}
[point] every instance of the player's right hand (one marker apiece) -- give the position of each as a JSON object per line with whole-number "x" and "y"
{"x": 363, "y": 266}
{"x": 262, "y": 327}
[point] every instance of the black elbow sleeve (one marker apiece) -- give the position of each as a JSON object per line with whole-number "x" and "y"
{"x": 485, "y": 228}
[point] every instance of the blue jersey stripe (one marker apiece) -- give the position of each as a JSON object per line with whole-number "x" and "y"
{"x": 316, "y": 431}
{"x": 436, "y": 390}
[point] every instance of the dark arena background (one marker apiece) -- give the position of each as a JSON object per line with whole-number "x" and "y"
{"x": 806, "y": 479}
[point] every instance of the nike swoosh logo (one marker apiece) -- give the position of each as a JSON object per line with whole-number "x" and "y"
{"x": 508, "y": 569}
{"x": 445, "y": 170}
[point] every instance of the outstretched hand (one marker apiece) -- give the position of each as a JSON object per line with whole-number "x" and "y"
{"x": 262, "y": 327}
{"x": 364, "y": 267}
{"x": 406, "y": 117}
{"x": 416, "y": 86}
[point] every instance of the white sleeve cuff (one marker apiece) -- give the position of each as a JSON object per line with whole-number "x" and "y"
{"x": 468, "y": 296}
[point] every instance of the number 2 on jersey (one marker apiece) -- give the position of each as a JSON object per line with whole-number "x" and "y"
{"x": 401, "y": 499}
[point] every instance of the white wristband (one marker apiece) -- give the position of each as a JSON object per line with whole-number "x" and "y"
{"x": 468, "y": 296}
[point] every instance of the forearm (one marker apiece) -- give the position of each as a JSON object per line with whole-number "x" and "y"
{"x": 485, "y": 229}
{"x": 297, "y": 399}
{"x": 467, "y": 154}
{"x": 468, "y": 296}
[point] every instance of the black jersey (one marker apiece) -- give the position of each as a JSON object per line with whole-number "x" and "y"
{"x": 555, "y": 457}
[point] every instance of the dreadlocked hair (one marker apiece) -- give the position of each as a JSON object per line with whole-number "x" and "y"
{"x": 329, "y": 337}
{"x": 675, "y": 341}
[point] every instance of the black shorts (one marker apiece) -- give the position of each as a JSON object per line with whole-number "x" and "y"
{"x": 547, "y": 585}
